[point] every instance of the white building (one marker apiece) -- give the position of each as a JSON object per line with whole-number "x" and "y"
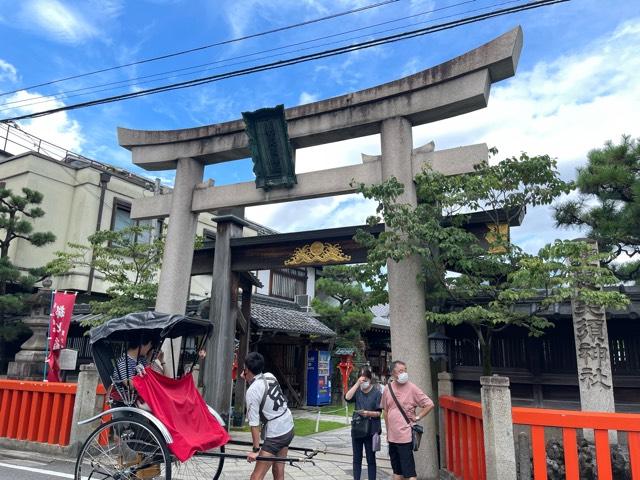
{"x": 82, "y": 196}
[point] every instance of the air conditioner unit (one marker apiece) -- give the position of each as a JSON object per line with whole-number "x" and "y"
{"x": 303, "y": 301}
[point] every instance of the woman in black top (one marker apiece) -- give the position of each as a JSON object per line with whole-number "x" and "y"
{"x": 367, "y": 397}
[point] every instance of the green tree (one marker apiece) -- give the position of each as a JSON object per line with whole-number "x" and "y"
{"x": 483, "y": 280}
{"x": 129, "y": 261}
{"x": 17, "y": 214}
{"x": 609, "y": 204}
{"x": 346, "y": 310}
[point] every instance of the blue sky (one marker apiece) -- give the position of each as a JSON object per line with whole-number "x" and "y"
{"x": 577, "y": 83}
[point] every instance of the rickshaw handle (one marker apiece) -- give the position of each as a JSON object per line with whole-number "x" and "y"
{"x": 240, "y": 456}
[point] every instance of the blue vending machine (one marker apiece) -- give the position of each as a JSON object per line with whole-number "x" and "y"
{"x": 318, "y": 378}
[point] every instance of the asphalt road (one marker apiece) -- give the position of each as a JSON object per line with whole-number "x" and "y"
{"x": 16, "y": 465}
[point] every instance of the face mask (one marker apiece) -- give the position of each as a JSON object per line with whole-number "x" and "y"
{"x": 365, "y": 385}
{"x": 403, "y": 377}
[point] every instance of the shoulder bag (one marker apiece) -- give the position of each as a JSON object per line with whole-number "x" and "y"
{"x": 360, "y": 425}
{"x": 416, "y": 430}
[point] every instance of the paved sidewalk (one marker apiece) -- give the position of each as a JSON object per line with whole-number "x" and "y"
{"x": 336, "y": 463}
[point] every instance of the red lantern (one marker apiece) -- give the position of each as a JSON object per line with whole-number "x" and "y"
{"x": 346, "y": 367}
{"x": 234, "y": 368}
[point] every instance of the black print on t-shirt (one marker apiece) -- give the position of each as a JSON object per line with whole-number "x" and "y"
{"x": 275, "y": 394}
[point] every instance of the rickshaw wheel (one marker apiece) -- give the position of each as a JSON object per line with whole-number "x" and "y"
{"x": 199, "y": 467}
{"x": 124, "y": 449}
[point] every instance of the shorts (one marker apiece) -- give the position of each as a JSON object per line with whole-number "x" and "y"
{"x": 273, "y": 445}
{"x": 402, "y": 462}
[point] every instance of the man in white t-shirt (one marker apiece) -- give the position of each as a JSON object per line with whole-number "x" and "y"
{"x": 266, "y": 405}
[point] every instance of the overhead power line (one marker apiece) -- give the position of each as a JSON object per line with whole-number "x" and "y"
{"x": 297, "y": 60}
{"x": 157, "y": 77}
{"x": 211, "y": 45}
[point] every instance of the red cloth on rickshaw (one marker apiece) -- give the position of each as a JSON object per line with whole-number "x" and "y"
{"x": 180, "y": 407}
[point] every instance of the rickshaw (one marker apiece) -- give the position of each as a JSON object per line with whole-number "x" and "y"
{"x": 131, "y": 442}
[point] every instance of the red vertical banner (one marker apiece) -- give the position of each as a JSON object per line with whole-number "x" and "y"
{"x": 59, "y": 321}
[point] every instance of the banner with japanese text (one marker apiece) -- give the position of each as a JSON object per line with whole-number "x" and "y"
{"x": 59, "y": 321}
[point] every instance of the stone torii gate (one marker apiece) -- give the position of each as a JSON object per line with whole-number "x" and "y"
{"x": 458, "y": 86}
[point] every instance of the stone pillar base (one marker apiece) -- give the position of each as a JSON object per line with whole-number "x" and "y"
{"x": 26, "y": 371}
{"x": 28, "y": 365}
{"x": 500, "y": 455}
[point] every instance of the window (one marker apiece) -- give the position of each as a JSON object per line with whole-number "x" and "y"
{"x": 288, "y": 282}
{"x": 121, "y": 216}
{"x": 121, "y": 219}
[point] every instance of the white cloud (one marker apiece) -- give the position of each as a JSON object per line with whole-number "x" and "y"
{"x": 65, "y": 22}
{"x": 243, "y": 16}
{"x": 319, "y": 213}
{"x": 59, "y": 21}
{"x": 8, "y": 72}
{"x": 55, "y": 129}
{"x": 563, "y": 107}
{"x": 417, "y": 6}
{"x": 410, "y": 67}
{"x": 306, "y": 97}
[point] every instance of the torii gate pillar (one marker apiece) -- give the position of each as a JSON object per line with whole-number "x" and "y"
{"x": 406, "y": 297}
{"x": 173, "y": 290}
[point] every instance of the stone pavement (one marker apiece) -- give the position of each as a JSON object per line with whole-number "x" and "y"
{"x": 336, "y": 463}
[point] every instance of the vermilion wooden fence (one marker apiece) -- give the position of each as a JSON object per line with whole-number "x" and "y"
{"x": 38, "y": 411}
{"x": 465, "y": 448}
{"x": 464, "y": 438}
{"x": 570, "y": 422}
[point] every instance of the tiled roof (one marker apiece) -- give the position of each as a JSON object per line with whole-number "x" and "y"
{"x": 269, "y": 313}
{"x": 276, "y": 315}
{"x": 344, "y": 351}
{"x": 90, "y": 317}
{"x": 82, "y": 313}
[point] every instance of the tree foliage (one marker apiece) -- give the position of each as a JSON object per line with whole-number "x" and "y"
{"x": 346, "y": 310}
{"x": 129, "y": 261}
{"x": 17, "y": 214}
{"x": 609, "y": 204}
{"x": 480, "y": 283}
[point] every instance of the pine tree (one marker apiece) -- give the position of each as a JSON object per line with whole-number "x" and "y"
{"x": 346, "y": 308}
{"x": 609, "y": 204}
{"x": 17, "y": 214}
{"x": 480, "y": 286}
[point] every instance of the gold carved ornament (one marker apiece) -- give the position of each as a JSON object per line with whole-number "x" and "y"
{"x": 317, "y": 252}
{"x": 495, "y": 235}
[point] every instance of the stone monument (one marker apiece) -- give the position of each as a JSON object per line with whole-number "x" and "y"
{"x": 593, "y": 358}
{"x": 29, "y": 361}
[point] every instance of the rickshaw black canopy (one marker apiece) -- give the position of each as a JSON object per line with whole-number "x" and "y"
{"x": 164, "y": 324}
{"x": 126, "y": 329}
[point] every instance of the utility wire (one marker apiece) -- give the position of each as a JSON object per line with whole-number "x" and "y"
{"x": 297, "y": 60}
{"x": 211, "y": 45}
{"x": 135, "y": 81}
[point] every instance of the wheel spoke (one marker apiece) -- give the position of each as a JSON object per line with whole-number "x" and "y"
{"x": 123, "y": 450}
{"x": 197, "y": 467}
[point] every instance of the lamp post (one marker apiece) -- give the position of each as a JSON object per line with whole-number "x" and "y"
{"x": 439, "y": 347}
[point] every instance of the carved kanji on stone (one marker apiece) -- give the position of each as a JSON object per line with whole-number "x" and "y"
{"x": 594, "y": 376}
{"x": 592, "y": 356}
